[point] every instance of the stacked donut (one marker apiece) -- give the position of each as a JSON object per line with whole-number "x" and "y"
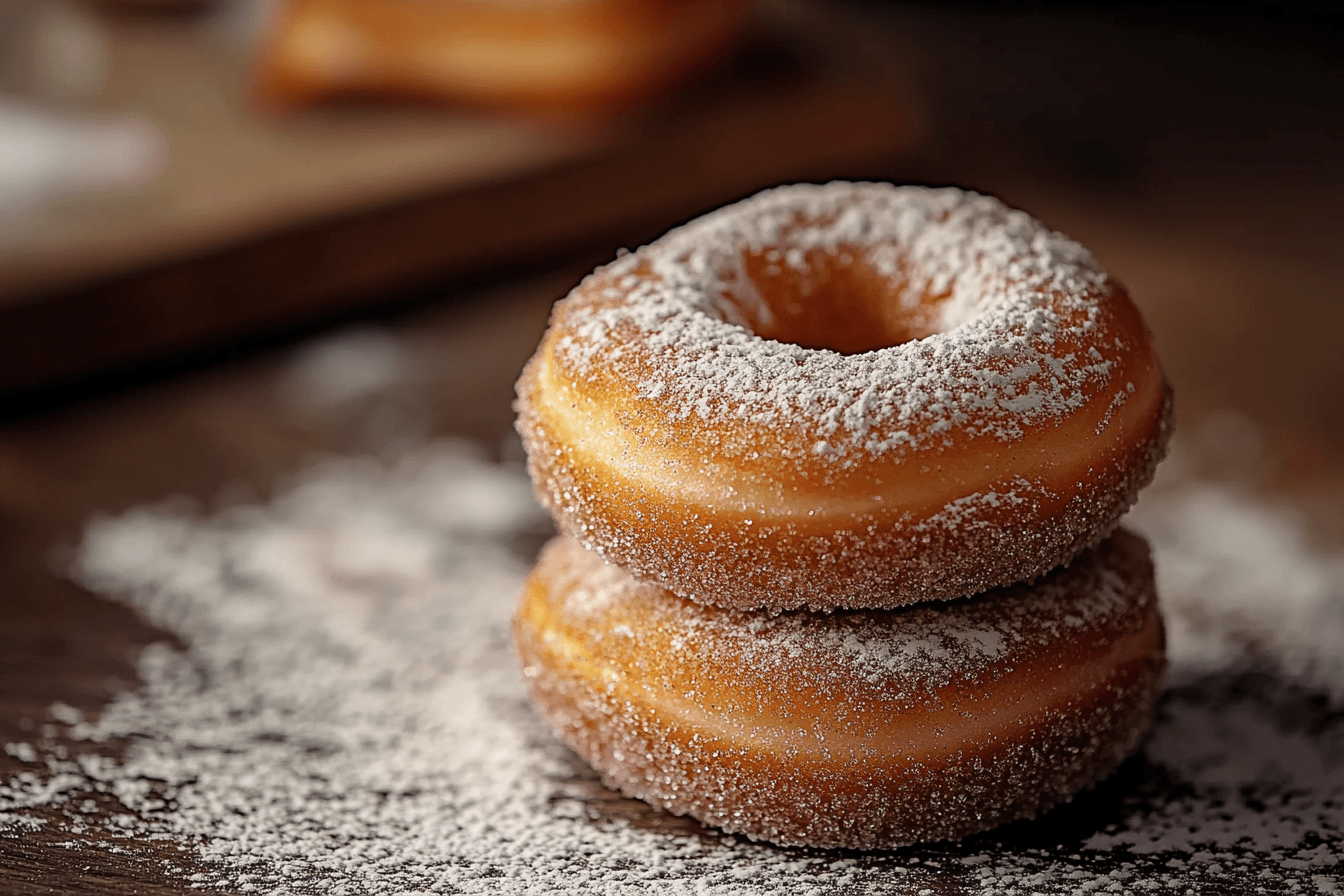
{"x": 837, "y": 471}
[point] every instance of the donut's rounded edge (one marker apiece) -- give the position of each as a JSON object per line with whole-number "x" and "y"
{"x": 880, "y": 555}
{"x": 617, "y": 712}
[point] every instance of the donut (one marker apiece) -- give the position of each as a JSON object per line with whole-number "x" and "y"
{"x": 537, "y": 54}
{"x": 844, "y": 396}
{"x": 857, "y": 729}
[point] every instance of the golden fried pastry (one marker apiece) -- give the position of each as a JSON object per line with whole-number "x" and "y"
{"x": 859, "y": 729}
{"x": 850, "y": 395}
{"x": 534, "y": 54}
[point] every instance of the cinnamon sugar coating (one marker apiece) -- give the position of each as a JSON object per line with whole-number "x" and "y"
{"x": 860, "y": 729}
{"x": 852, "y": 395}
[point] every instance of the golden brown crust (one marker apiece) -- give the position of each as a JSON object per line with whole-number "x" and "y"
{"x": 536, "y": 54}
{"x": 669, "y": 435}
{"x": 866, "y": 729}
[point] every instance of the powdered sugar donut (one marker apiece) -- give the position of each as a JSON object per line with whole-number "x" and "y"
{"x": 851, "y": 395}
{"x": 862, "y": 729}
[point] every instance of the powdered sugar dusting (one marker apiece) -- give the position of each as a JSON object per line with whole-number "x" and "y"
{"x": 820, "y": 729}
{"x": 1014, "y": 301}
{"x": 1275, "y": 594}
{"x": 922, "y": 647}
{"x": 354, "y": 723}
{"x": 926, "y": 646}
{"x": 1003, "y": 417}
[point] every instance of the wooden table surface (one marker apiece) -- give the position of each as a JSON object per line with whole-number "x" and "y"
{"x": 1239, "y": 280}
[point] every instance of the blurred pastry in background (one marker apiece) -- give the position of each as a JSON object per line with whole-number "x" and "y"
{"x": 523, "y": 54}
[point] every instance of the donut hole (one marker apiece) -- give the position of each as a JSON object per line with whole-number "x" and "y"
{"x": 832, "y": 300}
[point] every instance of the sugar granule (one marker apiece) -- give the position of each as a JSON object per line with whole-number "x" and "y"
{"x": 346, "y": 716}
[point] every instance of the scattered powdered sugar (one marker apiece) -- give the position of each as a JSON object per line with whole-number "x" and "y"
{"x": 344, "y": 715}
{"x": 1014, "y": 304}
{"x": 1238, "y": 577}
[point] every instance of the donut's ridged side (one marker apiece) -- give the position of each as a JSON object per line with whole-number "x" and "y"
{"x": 866, "y": 730}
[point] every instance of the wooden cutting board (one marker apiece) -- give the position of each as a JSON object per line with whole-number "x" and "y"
{"x": 262, "y": 221}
